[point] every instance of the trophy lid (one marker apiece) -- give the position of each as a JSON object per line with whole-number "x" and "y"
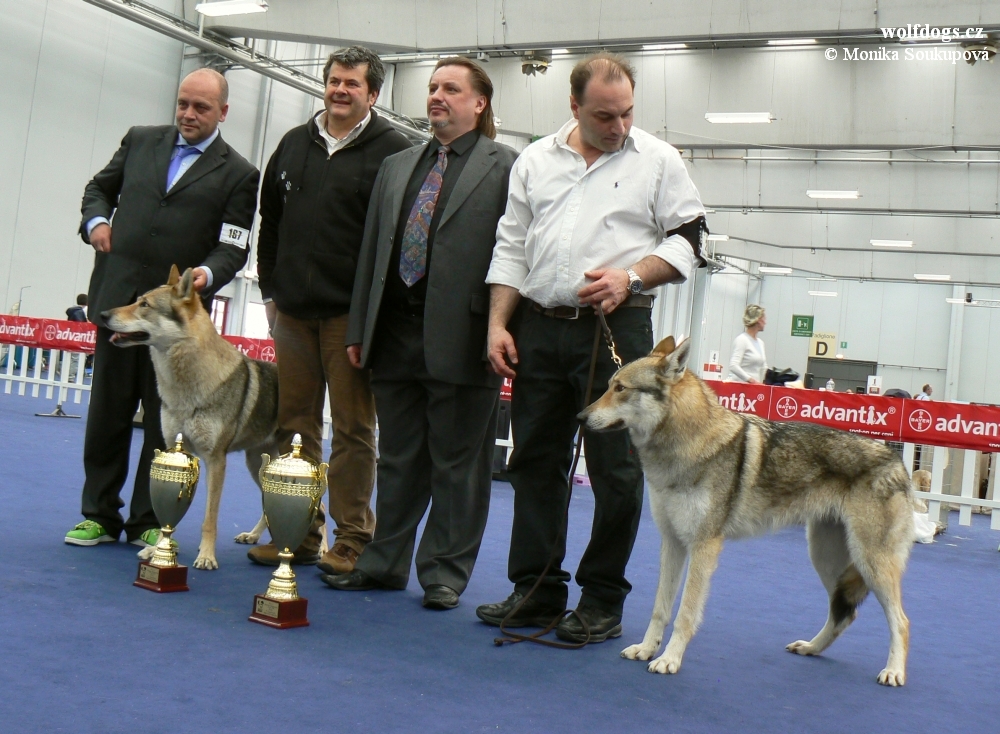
{"x": 292, "y": 467}
{"x": 175, "y": 458}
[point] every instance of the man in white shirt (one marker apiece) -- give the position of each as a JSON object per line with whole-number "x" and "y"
{"x": 598, "y": 215}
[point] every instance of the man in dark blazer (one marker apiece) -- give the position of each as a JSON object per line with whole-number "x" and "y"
{"x": 418, "y": 318}
{"x": 178, "y": 195}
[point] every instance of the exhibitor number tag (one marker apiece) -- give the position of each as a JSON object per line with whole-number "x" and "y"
{"x": 233, "y": 235}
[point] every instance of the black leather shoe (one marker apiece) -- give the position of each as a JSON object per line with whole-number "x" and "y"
{"x": 531, "y": 614}
{"x": 437, "y": 596}
{"x": 354, "y": 581}
{"x": 602, "y": 625}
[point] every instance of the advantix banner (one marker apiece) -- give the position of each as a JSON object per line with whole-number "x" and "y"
{"x": 955, "y": 425}
{"x": 75, "y": 336}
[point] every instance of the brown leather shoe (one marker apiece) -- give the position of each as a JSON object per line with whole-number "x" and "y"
{"x": 338, "y": 560}
{"x": 267, "y": 555}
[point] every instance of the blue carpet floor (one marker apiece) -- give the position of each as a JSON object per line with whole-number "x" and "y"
{"x": 82, "y": 650}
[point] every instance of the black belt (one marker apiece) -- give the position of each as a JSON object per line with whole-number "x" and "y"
{"x": 573, "y": 312}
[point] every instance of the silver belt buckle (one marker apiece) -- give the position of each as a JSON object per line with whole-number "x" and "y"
{"x": 576, "y": 315}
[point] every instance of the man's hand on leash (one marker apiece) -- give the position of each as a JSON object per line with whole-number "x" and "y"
{"x": 609, "y": 289}
{"x": 354, "y": 355}
{"x": 500, "y": 348}
{"x": 199, "y": 279}
{"x": 100, "y": 238}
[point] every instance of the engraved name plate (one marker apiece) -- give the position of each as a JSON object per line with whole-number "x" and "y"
{"x": 267, "y": 607}
{"x": 149, "y": 573}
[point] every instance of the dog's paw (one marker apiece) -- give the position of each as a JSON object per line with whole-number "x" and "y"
{"x": 665, "y": 664}
{"x": 250, "y": 538}
{"x": 146, "y": 553}
{"x": 801, "y": 647}
{"x": 892, "y": 677}
{"x": 638, "y": 652}
{"x": 206, "y": 563}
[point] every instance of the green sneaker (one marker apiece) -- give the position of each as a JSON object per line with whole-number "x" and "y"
{"x": 151, "y": 537}
{"x": 88, "y": 533}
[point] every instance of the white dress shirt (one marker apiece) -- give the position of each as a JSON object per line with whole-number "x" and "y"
{"x": 748, "y": 360}
{"x": 564, "y": 219}
{"x": 186, "y": 163}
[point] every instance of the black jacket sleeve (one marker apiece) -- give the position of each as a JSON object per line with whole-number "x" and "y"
{"x": 226, "y": 260}
{"x": 271, "y": 208}
{"x": 100, "y": 197}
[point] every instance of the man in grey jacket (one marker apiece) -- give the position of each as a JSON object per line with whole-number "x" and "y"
{"x": 418, "y": 319}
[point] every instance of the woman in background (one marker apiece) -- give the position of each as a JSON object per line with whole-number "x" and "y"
{"x": 749, "y": 363}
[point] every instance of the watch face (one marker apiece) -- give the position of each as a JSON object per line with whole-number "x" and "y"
{"x": 635, "y": 286}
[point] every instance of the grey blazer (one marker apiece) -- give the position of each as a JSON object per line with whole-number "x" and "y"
{"x": 458, "y": 299}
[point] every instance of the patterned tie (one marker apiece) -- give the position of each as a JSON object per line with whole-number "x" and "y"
{"x": 413, "y": 255}
{"x": 183, "y": 151}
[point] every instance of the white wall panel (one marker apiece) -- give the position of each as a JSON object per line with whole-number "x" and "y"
{"x": 81, "y": 77}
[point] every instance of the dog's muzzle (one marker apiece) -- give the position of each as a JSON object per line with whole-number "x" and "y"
{"x": 129, "y": 338}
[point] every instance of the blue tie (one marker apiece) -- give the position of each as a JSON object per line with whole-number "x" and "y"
{"x": 413, "y": 254}
{"x": 181, "y": 152}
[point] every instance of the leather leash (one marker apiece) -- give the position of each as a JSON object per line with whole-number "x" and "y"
{"x": 601, "y": 328}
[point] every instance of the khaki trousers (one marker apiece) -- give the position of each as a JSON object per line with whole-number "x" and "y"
{"x": 312, "y": 358}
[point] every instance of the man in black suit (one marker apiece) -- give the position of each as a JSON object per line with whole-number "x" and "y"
{"x": 418, "y": 318}
{"x": 179, "y": 195}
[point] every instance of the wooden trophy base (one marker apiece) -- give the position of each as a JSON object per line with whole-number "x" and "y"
{"x": 279, "y": 614}
{"x": 162, "y": 579}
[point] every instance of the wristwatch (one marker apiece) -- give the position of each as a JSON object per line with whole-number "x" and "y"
{"x": 634, "y": 281}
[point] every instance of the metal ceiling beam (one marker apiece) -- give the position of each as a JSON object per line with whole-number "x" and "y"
{"x": 244, "y": 56}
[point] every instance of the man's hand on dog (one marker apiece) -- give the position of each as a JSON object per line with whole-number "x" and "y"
{"x": 609, "y": 289}
{"x": 100, "y": 238}
{"x": 199, "y": 279}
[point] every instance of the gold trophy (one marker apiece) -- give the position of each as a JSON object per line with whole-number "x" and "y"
{"x": 173, "y": 478}
{"x": 291, "y": 488}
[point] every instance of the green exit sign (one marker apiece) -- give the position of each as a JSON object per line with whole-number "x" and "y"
{"x": 802, "y": 325}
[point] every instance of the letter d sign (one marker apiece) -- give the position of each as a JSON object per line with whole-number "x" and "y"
{"x": 822, "y": 345}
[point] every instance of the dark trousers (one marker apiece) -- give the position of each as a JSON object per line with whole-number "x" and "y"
{"x": 436, "y": 445}
{"x": 122, "y": 377}
{"x": 548, "y": 392}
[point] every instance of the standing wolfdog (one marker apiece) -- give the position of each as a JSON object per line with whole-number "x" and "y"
{"x": 217, "y": 397}
{"x": 714, "y": 474}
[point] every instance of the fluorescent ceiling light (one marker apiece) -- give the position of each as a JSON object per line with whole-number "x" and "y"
{"x": 718, "y": 238}
{"x": 448, "y": 56}
{"x": 560, "y": 51}
{"x": 891, "y": 243}
{"x": 830, "y": 294}
{"x": 960, "y": 300}
{"x": 738, "y": 117}
{"x": 818, "y": 194}
{"x": 791, "y": 42}
{"x": 774, "y": 271}
{"x": 823, "y": 280}
{"x": 231, "y": 7}
{"x": 664, "y": 46}
{"x": 930, "y": 276}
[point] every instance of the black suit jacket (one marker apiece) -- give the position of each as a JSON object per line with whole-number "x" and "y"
{"x": 458, "y": 299}
{"x": 153, "y": 229}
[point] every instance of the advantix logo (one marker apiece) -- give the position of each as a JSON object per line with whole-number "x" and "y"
{"x": 25, "y": 329}
{"x": 740, "y": 403}
{"x": 865, "y": 415}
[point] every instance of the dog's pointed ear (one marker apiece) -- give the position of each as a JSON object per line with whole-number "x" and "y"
{"x": 664, "y": 348}
{"x": 674, "y": 365}
{"x": 175, "y": 275}
{"x": 184, "y": 288}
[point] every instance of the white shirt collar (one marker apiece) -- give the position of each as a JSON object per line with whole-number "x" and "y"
{"x": 203, "y": 145}
{"x": 320, "y": 121}
{"x": 562, "y": 137}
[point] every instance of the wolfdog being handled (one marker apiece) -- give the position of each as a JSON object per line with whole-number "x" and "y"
{"x": 220, "y": 399}
{"x": 714, "y": 474}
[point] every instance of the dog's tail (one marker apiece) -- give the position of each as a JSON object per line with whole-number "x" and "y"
{"x": 850, "y": 591}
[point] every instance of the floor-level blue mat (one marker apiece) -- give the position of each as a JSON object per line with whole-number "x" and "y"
{"x": 82, "y": 650}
